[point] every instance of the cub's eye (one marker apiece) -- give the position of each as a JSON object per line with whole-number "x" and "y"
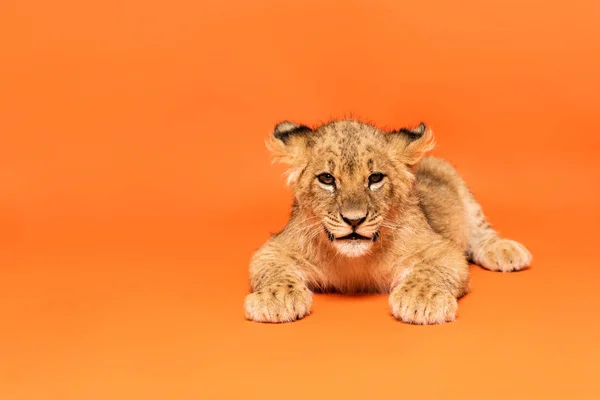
{"x": 375, "y": 178}
{"x": 326, "y": 179}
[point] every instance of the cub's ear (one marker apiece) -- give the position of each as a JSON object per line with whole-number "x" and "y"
{"x": 414, "y": 133}
{"x": 285, "y": 131}
{"x": 288, "y": 144}
{"x": 413, "y": 143}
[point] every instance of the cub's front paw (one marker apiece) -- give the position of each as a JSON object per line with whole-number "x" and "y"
{"x": 421, "y": 303}
{"x": 502, "y": 255}
{"x": 278, "y": 303}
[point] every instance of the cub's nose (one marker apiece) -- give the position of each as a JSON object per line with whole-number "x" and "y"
{"x": 354, "y": 220}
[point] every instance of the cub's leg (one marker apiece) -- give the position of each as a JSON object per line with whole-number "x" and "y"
{"x": 452, "y": 211}
{"x": 278, "y": 290}
{"x": 427, "y": 292}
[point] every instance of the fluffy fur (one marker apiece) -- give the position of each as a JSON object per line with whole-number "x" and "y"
{"x": 409, "y": 234}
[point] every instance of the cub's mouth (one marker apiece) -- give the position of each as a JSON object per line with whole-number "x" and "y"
{"x": 351, "y": 237}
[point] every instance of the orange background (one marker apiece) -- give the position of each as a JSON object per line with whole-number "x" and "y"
{"x": 134, "y": 187}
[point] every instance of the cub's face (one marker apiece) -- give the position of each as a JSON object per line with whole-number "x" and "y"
{"x": 349, "y": 178}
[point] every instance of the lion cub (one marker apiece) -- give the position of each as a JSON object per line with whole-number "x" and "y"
{"x": 370, "y": 214}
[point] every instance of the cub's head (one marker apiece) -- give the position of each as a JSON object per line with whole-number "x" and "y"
{"x": 349, "y": 178}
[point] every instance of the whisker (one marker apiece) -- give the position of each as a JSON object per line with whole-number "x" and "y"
{"x": 299, "y": 230}
{"x": 301, "y": 222}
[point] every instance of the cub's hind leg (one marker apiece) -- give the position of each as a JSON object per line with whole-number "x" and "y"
{"x": 486, "y": 248}
{"x": 453, "y": 212}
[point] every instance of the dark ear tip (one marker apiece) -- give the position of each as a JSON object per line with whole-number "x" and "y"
{"x": 421, "y": 129}
{"x": 284, "y": 126}
{"x": 285, "y": 129}
{"x": 414, "y": 133}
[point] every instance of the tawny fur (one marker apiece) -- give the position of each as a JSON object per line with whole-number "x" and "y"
{"x": 423, "y": 223}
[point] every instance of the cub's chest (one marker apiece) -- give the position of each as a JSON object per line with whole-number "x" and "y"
{"x": 354, "y": 276}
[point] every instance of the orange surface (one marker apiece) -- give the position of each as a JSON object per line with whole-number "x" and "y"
{"x": 134, "y": 187}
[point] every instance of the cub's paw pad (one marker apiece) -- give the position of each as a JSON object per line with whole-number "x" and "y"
{"x": 422, "y": 304}
{"x": 502, "y": 255}
{"x": 278, "y": 303}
